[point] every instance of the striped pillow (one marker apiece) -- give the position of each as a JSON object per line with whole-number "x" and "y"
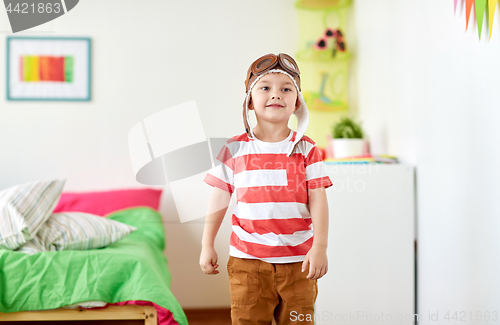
{"x": 24, "y": 209}
{"x": 76, "y": 231}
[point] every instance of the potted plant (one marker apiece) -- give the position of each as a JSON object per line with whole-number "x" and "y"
{"x": 347, "y": 138}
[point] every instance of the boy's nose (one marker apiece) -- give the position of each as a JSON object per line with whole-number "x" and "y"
{"x": 275, "y": 97}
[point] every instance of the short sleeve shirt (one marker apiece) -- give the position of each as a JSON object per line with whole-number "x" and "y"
{"x": 271, "y": 221}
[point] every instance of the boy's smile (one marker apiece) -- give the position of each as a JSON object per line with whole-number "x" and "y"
{"x": 274, "y": 99}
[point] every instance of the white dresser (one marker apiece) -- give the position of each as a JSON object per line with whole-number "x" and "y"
{"x": 371, "y": 265}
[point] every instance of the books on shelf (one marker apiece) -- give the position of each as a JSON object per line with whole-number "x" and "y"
{"x": 364, "y": 159}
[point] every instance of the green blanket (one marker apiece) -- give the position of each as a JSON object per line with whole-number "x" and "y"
{"x": 133, "y": 268}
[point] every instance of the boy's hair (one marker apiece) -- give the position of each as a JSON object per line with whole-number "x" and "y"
{"x": 281, "y": 63}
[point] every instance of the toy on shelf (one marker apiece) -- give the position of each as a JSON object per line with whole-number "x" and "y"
{"x": 339, "y": 44}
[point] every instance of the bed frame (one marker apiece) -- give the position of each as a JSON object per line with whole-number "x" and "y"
{"x": 142, "y": 314}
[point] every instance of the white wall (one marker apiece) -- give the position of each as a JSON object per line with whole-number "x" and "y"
{"x": 146, "y": 56}
{"x": 428, "y": 93}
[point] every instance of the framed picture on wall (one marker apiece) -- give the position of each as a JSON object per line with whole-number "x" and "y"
{"x": 48, "y": 68}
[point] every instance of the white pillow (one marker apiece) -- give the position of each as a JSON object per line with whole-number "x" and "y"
{"x": 76, "y": 231}
{"x": 24, "y": 209}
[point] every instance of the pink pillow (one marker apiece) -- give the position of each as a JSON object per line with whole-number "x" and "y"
{"x": 103, "y": 203}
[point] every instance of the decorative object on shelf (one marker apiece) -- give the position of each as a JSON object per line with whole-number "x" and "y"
{"x": 48, "y": 68}
{"x": 348, "y": 138}
{"x": 479, "y": 8}
{"x": 363, "y": 159}
{"x": 322, "y": 55}
{"x": 322, "y": 43}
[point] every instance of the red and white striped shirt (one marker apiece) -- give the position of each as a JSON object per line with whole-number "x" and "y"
{"x": 271, "y": 221}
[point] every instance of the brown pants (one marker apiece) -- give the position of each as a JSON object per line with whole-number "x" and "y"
{"x": 261, "y": 291}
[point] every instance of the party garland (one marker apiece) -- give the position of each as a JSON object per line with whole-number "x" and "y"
{"x": 479, "y": 8}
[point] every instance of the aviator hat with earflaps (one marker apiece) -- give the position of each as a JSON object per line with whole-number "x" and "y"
{"x": 281, "y": 63}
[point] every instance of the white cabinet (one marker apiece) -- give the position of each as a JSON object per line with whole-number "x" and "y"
{"x": 371, "y": 273}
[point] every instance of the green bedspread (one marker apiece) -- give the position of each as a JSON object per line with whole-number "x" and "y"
{"x": 133, "y": 268}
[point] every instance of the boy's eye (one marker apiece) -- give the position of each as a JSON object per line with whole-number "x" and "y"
{"x": 286, "y": 89}
{"x": 265, "y": 88}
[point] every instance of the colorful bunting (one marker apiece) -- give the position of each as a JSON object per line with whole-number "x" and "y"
{"x": 491, "y": 10}
{"x": 480, "y": 6}
{"x": 455, "y": 6}
{"x": 468, "y": 7}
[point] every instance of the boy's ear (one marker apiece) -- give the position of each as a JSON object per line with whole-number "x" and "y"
{"x": 250, "y": 104}
{"x": 297, "y": 104}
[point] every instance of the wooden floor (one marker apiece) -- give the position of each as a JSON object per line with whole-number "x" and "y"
{"x": 208, "y": 316}
{"x": 81, "y": 322}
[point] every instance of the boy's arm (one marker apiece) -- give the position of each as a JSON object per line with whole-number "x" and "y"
{"x": 217, "y": 207}
{"x": 316, "y": 256}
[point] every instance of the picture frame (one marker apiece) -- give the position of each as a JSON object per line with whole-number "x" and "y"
{"x": 48, "y": 69}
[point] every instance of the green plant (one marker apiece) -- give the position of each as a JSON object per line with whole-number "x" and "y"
{"x": 347, "y": 128}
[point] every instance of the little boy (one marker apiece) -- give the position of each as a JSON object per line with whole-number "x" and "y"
{"x": 280, "y": 224}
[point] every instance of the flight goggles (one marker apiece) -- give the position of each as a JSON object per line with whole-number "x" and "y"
{"x": 271, "y": 61}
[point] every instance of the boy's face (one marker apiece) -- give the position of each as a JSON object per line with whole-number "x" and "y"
{"x": 274, "y": 98}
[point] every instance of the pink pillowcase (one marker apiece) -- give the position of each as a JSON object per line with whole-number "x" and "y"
{"x": 103, "y": 203}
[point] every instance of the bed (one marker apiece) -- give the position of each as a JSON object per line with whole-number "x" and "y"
{"x": 130, "y": 275}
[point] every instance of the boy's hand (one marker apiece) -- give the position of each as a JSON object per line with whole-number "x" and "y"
{"x": 208, "y": 260}
{"x": 318, "y": 262}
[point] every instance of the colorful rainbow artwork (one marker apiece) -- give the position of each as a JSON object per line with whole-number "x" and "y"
{"x": 35, "y": 68}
